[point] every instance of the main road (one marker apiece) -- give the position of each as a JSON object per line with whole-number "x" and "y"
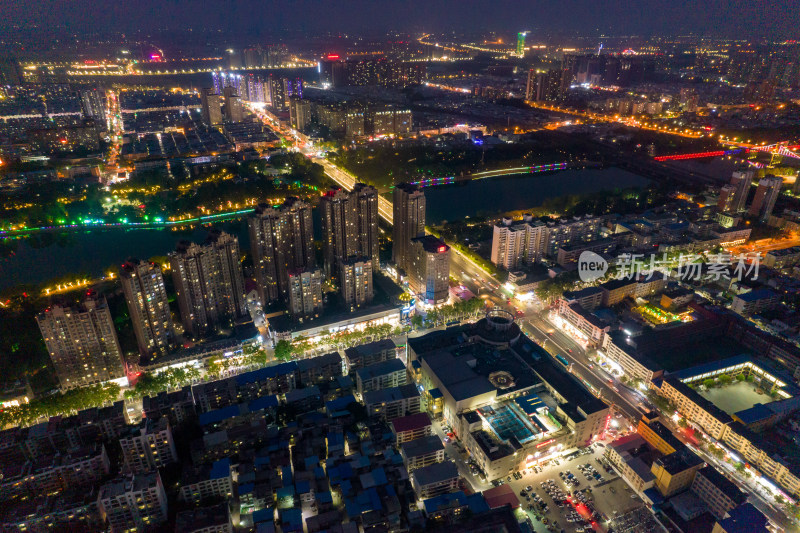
{"x": 534, "y": 323}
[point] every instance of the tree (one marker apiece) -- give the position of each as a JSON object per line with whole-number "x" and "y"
{"x": 283, "y": 350}
{"x": 724, "y": 379}
{"x": 708, "y": 383}
{"x": 416, "y": 321}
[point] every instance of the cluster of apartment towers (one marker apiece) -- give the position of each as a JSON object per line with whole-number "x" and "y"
{"x": 210, "y": 284}
{"x": 733, "y": 196}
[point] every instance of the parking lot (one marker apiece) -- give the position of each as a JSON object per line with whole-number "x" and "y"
{"x": 581, "y": 509}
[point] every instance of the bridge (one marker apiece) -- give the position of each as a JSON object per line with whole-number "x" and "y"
{"x": 448, "y": 180}
{"x": 778, "y": 149}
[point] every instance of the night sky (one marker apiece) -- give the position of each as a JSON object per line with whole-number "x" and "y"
{"x": 747, "y": 19}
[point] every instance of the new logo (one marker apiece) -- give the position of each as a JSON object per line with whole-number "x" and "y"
{"x": 591, "y": 266}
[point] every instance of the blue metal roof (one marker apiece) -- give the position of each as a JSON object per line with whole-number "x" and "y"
{"x": 267, "y": 372}
{"x": 265, "y": 402}
{"x": 529, "y": 403}
{"x": 218, "y": 415}
{"x": 221, "y": 468}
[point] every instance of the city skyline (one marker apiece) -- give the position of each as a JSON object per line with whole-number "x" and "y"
{"x": 650, "y": 17}
{"x": 443, "y": 266}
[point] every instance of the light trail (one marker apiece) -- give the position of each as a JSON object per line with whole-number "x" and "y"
{"x": 89, "y": 224}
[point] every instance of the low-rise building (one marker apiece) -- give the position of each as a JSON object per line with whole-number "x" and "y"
{"x": 783, "y": 258}
{"x": 370, "y": 354}
{"x": 754, "y": 302}
{"x": 215, "y": 519}
{"x": 589, "y": 298}
{"x": 318, "y": 369}
{"x": 623, "y": 454}
{"x": 50, "y": 474}
{"x": 148, "y": 447}
{"x": 434, "y": 479}
{"x": 618, "y": 348}
{"x": 568, "y": 254}
{"x": 411, "y": 427}
{"x": 207, "y": 481}
{"x": 133, "y": 502}
{"x": 422, "y": 452}
{"x": 616, "y": 290}
{"x": 393, "y": 402}
{"x": 676, "y": 298}
{"x": 742, "y": 519}
{"x": 74, "y": 510}
{"x": 391, "y": 373}
{"x": 675, "y": 472}
{"x": 720, "y": 494}
{"x": 177, "y": 406}
{"x": 582, "y": 323}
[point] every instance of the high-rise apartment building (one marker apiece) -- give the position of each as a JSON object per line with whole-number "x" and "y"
{"x": 234, "y": 112}
{"x": 349, "y": 225}
{"x": 133, "y": 502}
{"x": 741, "y": 180}
{"x": 570, "y": 231}
{"x": 254, "y": 57}
{"x": 293, "y": 87}
{"x": 339, "y": 227}
{"x": 429, "y": 269}
{"x": 726, "y": 197}
{"x": 209, "y": 282}
{"x": 519, "y": 243}
{"x": 305, "y": 292}
{"x": 276, "y": 93}
{"x": 212, "y": 107}
{"x": 767, "y": 194}
{"x": 221, "y": 79}
{"x": 408, "y": 221}
{"x": 378, "y": 71}
{"x": 299, "y": 113}
{"x": 82, "y": 342}
{"x": 355, "y": 281}
{"x": 281, "y": 239}
{"x": 527, "y": 241}
{"x": 544, "y": 86}
{"x": 146, "y": 296}
{"x": 366, "y": 198}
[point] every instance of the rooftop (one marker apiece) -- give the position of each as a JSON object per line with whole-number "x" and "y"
{"x": 744, "y": 519}
{"x": 679, "y": 461}
{"x": 435, "y": 473}
{"x": 421, "y": 446}
{"x": 411, "y": 422}
{"x": 380, "y": 369}
{"x": 726, "y": 486}
{"x": 203, "y": 517}
{"x": 758, "y": 294}
{"x": 391, "y": 394}
{"x": 500, "y": 496}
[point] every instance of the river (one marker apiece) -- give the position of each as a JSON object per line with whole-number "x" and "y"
{"x": 512, "y": 193}
{"x": 32, "y": 260}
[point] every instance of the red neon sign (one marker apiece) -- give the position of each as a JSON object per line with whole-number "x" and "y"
{"x": 545, "y": 443}
{"x": 442, "y": 249}
{"x": 333, "y": 57}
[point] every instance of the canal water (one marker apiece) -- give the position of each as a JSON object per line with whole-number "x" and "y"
{"x": 43, "y": 257}
{"x": 512, "y": 193}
